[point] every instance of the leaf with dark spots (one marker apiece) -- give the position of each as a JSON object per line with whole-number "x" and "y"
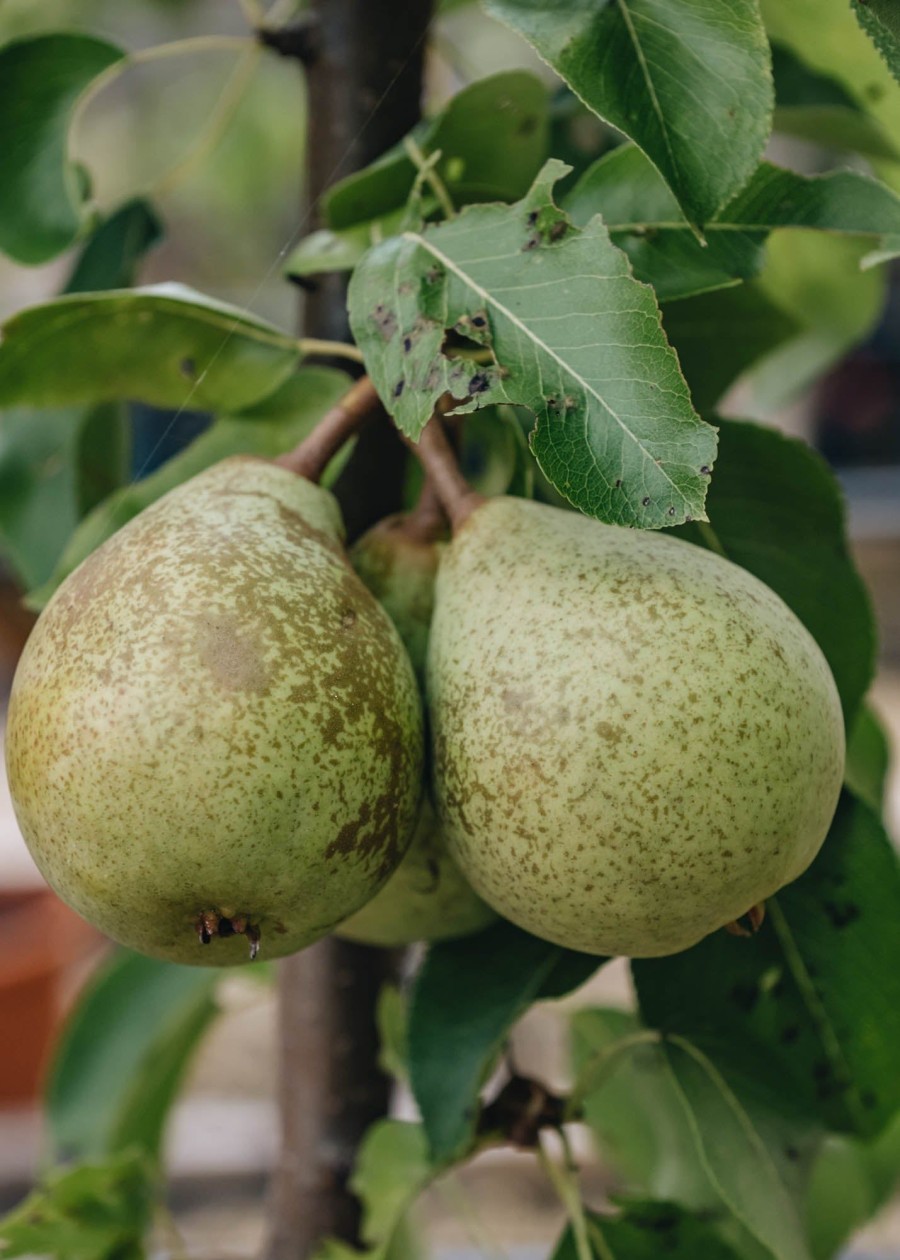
{"x": 585, "y": 330}
{"x": 824, "y": 1025}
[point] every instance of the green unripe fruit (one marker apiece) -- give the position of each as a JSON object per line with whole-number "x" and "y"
{"x": 635, "y": 741}
{"x": 427, "y": 898}
{"x": 214, "y": 730}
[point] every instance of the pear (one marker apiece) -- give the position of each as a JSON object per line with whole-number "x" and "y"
{"x": 635, "y": 741}
{"x": 214, "y": 730}
{"x": 427, "y": 897}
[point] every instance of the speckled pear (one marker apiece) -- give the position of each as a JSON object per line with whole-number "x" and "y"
{"x": 635, "y": 741}
{"x": 427, "y": 898}
{"x": 215, "y": 732}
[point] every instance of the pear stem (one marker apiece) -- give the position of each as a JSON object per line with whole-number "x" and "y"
{"x": 312, "y": 456}
{"x": 438, "y": 458}
{"x": 428, "y": 520}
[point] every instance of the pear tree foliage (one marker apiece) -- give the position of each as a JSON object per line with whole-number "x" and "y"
{"x": 581, "y": 264}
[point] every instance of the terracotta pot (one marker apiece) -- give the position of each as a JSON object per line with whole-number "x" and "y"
{"x": 44, "y": 947}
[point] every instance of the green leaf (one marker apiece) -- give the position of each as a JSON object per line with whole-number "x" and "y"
{"x": 466, "y": 998}
{"x": 827, "y": 37}
{"x": 849, "y": 1182}
{"x": 810, "y": 1008}
{"x": 776, "y": 509}
{"x": 53, "y": 466}
{"x": 492, "y": 137}
{"x": 41, "y": 79}
{"x": 273, "y": 426}
{"x": 341, "y": 250}
{"x": 123, "y": 1054}
{"x": 887, "y": 252}
{"x": 572, "y": 336}
{"x": 110, "y": 257}
{"x": 647, "y": 1230}
{"x": 816, "y": 107}
{"x": 165, "y": 345}
{"x": 880, "y": 20}
{"x": 718, "y": 336}
{"x": 634, "y": 1113}
{"x": 645, "y": 221}
{"x": 701, "y": 1143}
{"x": 392, "y": 1169}
{"x": 734, "y": 1153}
{"x": 392, "y": 1016}
{"x": 57, "y": 464}
{"x": 92, "y": 1212}
{"x": 688, "y": 80}
{"x": 868, "y": 758}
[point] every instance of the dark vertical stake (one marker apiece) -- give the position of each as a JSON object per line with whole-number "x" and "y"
{"x": 364, "y": 92}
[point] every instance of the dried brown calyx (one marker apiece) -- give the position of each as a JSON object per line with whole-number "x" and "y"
{"x": 210, "y": 923}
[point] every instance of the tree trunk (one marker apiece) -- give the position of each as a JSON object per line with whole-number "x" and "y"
{"x": 364, "y": 94}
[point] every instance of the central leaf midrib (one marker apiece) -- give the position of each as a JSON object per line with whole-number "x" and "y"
{"x": 651, "y": 89}
{"x": 488, "y": 297}
{"x": 828, "y": 1037}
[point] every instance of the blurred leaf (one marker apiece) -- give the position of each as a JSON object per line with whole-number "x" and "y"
{"x": 635, "y": 1113}
{"x": 392, "y": 1015}
{"x": 826, "y": 36}
{"x": 889, "y": 250}
{"x": 718, "y": 336}
{"x": 492, "y": 137}
{"x": 57, "y": 464}
{"x": 850, "y": 1181}
{"x": 103, "y": 457}
{"x": 48, "y": 479}
{"x": 122, "y": 1056}
{"x": 817, "y": 282}
{"x": 392, "y": 1170}
{"x": 816, "y": 107}
{"x": 577, "y": 136}
{"x": 110, "y": 258}
{"x": 466, "y": 998}
{"x": 581, "y": 347}
{"x": 776, "y": 509}
{"x": 880, "y": 19}
{"x": 645, "y": 221}
{"x": 165, "y": 345}
{"x": 41, "y": 203}
{"x": 648, "y": 1230}
{"x": 92, "y": 1212}
{"x": 702, "y": 120}
{"x": 341, "y": 250}
{"x": 495, "y": 457}
{"x": 272, "y": 426}
{"x": 868, "y": 758}
{"x": 810, "y": 1008}
{"x": 711, "y": 1148}
{"x": 734, "y": 1152}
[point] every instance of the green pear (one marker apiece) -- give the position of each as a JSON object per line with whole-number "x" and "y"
{"x": 427, "y": 897}
{"x": 635, "y": 741}
{"x": 214, "y": 730}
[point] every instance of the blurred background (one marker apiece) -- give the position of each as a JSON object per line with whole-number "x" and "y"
{"x": 217, "y": 142}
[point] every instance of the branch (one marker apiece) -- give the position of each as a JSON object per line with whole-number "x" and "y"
{"x": 437, "y": 457}
{"x": 297, "y": 40}
{"x": 312, "y": 456}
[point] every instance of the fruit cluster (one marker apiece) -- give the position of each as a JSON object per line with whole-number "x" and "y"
{"x": 215, "y": 735}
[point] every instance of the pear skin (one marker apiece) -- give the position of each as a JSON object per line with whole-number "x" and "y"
{"x": 214, "y": 731}
{"x": 635, "y": 741}
{"x": 427, "y": 898}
